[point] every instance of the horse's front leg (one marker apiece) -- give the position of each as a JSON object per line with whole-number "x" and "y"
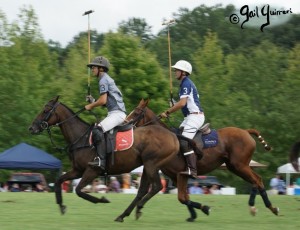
{"x": 183, "y": 198}
{"x": 58, "y": 195}
{"x": 57, "y": 188}
{"x": 156, "y": 186}
{"x": 142, "y": 191}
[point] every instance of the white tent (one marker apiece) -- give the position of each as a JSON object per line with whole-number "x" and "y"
{"x": 138, "y": 170}
{"x": 252, "y": 164}
{"x": 287, "y": 169}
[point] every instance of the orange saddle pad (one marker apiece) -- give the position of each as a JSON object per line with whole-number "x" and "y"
{"x": 124, "y": 140}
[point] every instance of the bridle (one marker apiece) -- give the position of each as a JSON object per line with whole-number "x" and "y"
{"x": 141, "y": 116}
{"x": 44, "y": 125}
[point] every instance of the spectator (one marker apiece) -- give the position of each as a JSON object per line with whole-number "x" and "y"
{"x": 205, "y": 190}
{"x": 298, "y": 181}
{"x": 274, "y": 184}
{"x": 65, "y": 186}
{"x": 114, "y": 185}
{"x": 28, "y": 189}
{"x": 281, "y": 187}
{"x": 126, "y": 181}
{"x": 102, "y": 188}
{"x": 15, "y": 188}
{"x": 98, "y": 186}
{"x": 195, "y": 189}
{"x": 137, "y": 181}
{"x": 75, "y": 182}
{"x": 40, "y": 188}
{"x": 163, "y": 183}
{"x": 215, "y": 189}
{"x": 3, "y": 188}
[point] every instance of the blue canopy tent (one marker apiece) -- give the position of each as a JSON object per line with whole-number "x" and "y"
{"x": 24, "y": 156}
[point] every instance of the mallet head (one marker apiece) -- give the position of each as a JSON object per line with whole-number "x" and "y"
{"x": 169, "y": 22}
{"x": 88, "y": 12}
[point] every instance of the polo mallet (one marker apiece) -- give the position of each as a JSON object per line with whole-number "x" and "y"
{"x": 168, "y": 23}
{"x": 89, "y": 49}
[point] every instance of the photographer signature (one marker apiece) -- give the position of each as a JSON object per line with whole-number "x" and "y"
{"x": 256, "y": 13}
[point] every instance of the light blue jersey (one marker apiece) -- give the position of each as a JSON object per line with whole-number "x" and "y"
{"x": 114, "y": 95}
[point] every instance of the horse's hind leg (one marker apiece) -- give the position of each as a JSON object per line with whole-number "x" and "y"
{"x": 264, "y": 195}
{"x": 251, "y": 201}
{"x": 183, "y": 197}
{"x": 262, "y": 191}
{"x": 250, "y": 176}
{"x": 86, "y": 179}
{"x": 142, "y": 191}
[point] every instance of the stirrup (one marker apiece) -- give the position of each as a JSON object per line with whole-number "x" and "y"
{"x": 189, "y": 173}
{"x": 96, "y": 162}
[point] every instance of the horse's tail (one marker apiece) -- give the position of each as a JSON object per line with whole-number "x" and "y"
{"x": 294, "y": 155}
{"x": 191, "y": 143}
{"x": 260, "y": 138}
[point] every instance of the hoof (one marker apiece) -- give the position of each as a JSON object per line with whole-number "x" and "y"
{"x": 205, "y": 209}
{"x": 276, "y": 211}
{"x": 253, "y": 211}
{"x": 190, "y": 219}
{"x": 104, "y": 200}
{"x": 63, "y": 209}
{"x": 119, "y": 219}
{"x": 138, "y": 215}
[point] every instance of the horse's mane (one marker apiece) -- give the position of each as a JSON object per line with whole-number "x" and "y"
{"x": 157, "y": 119}
{"x": 72, "y": 112}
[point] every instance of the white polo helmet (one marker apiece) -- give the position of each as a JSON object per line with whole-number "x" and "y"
{"x": 184, "y": 66}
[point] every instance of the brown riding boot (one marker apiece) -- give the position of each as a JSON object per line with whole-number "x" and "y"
{"x": 191, "y": 160}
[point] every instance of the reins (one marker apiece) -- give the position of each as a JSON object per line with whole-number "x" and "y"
{"x": 142, "y": 116}
{"x": 48, "y": 128}
{"x": 152, "y": 120}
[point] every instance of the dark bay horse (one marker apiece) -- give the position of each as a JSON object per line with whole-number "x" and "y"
{"x": 154, "y": 147}
{"x": 235, "y": 148}
{"x": 294, "y": 155}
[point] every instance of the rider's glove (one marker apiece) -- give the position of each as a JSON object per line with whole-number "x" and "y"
{"x": 90, "y": 99}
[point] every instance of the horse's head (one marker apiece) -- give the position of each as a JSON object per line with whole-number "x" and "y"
{"x": 142, "y": 115}
{"x": 46, "y": 118}
{"x": 138, "y": 115}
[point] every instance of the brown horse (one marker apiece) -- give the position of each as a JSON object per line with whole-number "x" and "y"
{"x": 235, "y": 148}
{"x": 294, "y": 155}
{"x": 154, "y": 147}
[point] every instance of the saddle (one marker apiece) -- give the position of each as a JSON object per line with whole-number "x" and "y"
{"x": 205, "y": 129}
{"x": 206, "y": 137}
{"x": 119, "y": 138}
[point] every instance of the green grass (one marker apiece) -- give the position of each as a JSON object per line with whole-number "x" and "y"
{"x": 39, "y": 211}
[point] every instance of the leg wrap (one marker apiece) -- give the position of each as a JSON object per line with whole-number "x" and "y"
{"x": 252, "y": 196}
{"x": 265, "y": 198}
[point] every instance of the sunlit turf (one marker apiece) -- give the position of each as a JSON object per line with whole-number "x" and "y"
{"x": 40, "y": 211}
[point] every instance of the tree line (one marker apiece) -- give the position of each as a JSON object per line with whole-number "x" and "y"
{"x": 246, "y": 78}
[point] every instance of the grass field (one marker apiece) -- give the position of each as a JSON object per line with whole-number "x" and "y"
{"x": 39, "y": 211}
